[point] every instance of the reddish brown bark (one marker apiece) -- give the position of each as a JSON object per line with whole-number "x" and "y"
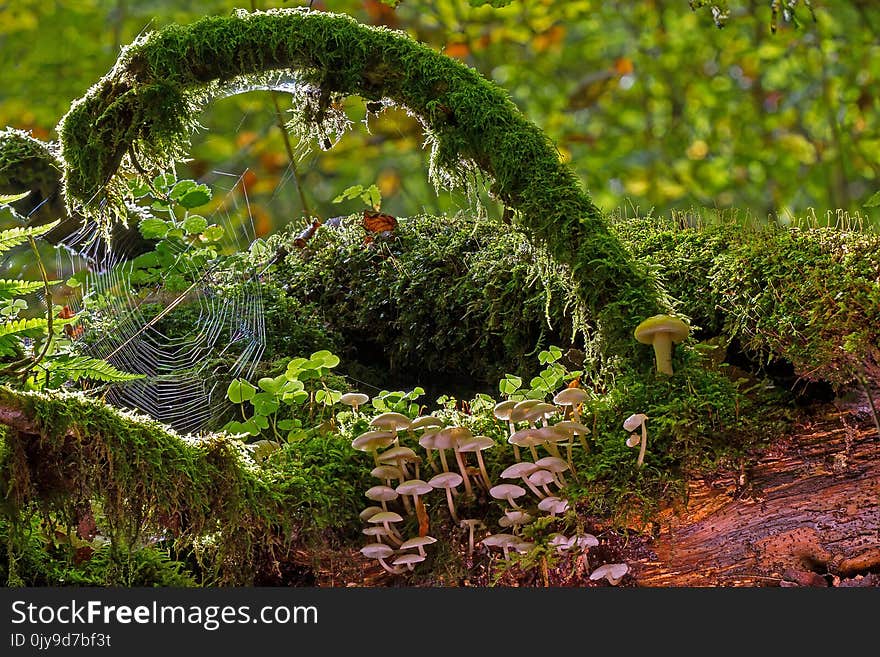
{"x": 806, "y": 513}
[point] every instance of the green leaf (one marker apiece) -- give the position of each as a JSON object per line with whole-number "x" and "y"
{"x": 153, "y": 228}
{"x": 14, "y": 288}
{"x": 194, "y": 224}
{"x": 195, "y": 197}
{"x": 164, "y": 182}
{"x": 264, "y": 403}
{"x": 138, "y": 189}
{"x": 240, "y": 391}
{"x": 181, "y": 188}
{"x": 350, "y": 192}
{"x": 213, "y": 233}
{"x": 6, "y": 199}
{"x": 83, "y": 367}
{"x": 269, "y": 384}
{"x": 874, "y": 201}
{"x": 287, "y": 425}
{"x": 372, "y": 197}
{"x": 324, "y": 358}
{"x": 14, "y": 236}
{"x": 295, "y": 397}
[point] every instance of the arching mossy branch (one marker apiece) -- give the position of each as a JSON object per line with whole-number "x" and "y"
{"x": 145, "y": 108}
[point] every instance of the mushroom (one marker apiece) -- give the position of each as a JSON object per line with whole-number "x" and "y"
{"x": 631, "y": 424}
{"x": 377, "y": 532}
{"x": 449, "y": 439}
{"x": 542, "y": 478}
{"x": 369, "y": 512}
{"x": 477, "y": 444}
{"x": 576, "y": 428}
{"x": 550, "y": 435}
{"x": 507, "y": 492}
{"x": 373, "y": 441}
{"x": 472, "y": 524}
{"x": 613, "y": 572}
{"x": 401, "y": 456}
{"x": 419, "y": 542}
{"x": 385, "y": 519}
{"x": 521, "y": 409}
{"x": 585, "y": 542}
{"x": 522, "y": 471}
{"x": 447, "y": 480}
{"x": 540, "y": 411}
{"x": 502, "y": 411}
{"x": 561, "y": 542}
{"x": 408, "y": 560}
{"x": 571, "y": 397}
{"x": 504, "y": 541}
{"x": 380, "y": 551}
{"x": 354, "y": 399}
{"x": 528, "y": 437}
{"x": 427, "y": 422}
{"x": 414, "y": 487}
{"x": 387, "y": 473}
{"x": 381, "y": 494}
{"x": 553, "y": 505}
{"x": 662, "y": 331}
{"x": 555, "y": 465}
{"x": 515, "y": 519}
{"x": 390, "y": 421}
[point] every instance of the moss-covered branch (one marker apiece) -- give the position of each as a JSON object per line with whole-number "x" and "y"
{"x": 148, "y": 104}
{"x": 61, "y": 451}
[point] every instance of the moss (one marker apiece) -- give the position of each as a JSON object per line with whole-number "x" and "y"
{"x": 140, "y": 115}
{"x": 149, "y": 478}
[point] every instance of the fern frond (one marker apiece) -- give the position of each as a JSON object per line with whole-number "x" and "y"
{"x": 9, "y": 289}
{"x": 12, "y": 237}
{"x": 84, "y": 367}
{"x": 6, "y": 199}
{"x": 32, "y": 327}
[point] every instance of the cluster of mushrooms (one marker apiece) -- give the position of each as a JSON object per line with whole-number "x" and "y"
{"x": 453, "y": 462}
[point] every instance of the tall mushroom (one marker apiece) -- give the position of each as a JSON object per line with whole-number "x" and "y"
{"x": 380, "y": 552}
{"x": 631, "y": 424}
{"x": 477, "y": 444}
{"x": 662, "y": 331}
{"x": 613, "y": 572}
{"x": 390, "y": 421}
{"x": 354, "y": 399}
{"x": 508, "y": 492}
{"x": 372, "y": 441}
{"x": 414, "y": 487}
{"x": 502, "y": 411}
{"x": 450, "y": 438}
{"x": 447, "y": 481}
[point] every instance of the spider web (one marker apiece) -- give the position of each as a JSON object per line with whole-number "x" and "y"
{"x": 218, "y": 329}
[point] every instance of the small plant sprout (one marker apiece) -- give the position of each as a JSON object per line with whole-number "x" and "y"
{"x": 380, "y": 552}
{"x": 662, "y": 331}
{"x": 613, "y": 572}
{"x": 508, "y": 492}
{"x": 472, "y": 525}
{"x": 354, "y": 399}
{"x": 448, "y": 481}
{"x": 632, "y": 423}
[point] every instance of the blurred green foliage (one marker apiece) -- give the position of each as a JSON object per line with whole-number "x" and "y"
{"x": 648, "y": 102}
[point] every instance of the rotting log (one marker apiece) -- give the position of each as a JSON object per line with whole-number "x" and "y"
{"x": 806, "y": 513}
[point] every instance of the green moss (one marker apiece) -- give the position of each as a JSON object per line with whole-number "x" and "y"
{"x": 149, "y": 478}
{"x": 141, "y": 113}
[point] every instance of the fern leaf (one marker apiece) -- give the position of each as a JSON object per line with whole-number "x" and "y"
{"x": 10, "y": 289}
{"x": 12, "y": 237}
{"x": 6, "y": 199}
{"x": 33, "y": 327}
{"x": 83, "y": 367}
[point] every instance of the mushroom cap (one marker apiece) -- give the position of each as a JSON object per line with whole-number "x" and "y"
{"x": 375, "y": 530}
{"x": 391, "y": 420}
{"x": 371, "y": 440}
{"x": 408, "y": 559}
{"x": 377, "y": 551}
{"x": 559, "y": 541}
{"x": 588, "y": 541}
{"x": 553, "y": 505}
{"x": 428, "y": 440}
{"x": 514, "y": 518}
{"x": 476, "y": 444}
{"x": 502, "y": 409}
{"x": 400, "y": 452}
{"x": 381, "y": 494}
{"x": 446, "y": 480}
{"x": 417, "y": 541}
{"x": 476, "y": 523}
{"x": 519, "y": 411}
{"x": 570, "y": 396}
{"x": 386, "y": 472}
{"x": 676, "y": 329}
{"x": 572, "y": 427}
{"x": 613, "y": 572}
{"x": 354, "y": 398}
{"x": 633, "y": 440}
{"x": 425, "y": 422}
{"x": 414, "y": 487}
{"x": 539, "y": 410}
{"x": 499, "y": 540}
{"x": 526, "y": 437}
{"x": 522, "y": 546}
{"x": 552, "y": 463}
{"x": 450, "y": 437}
{"x": 634, "y": 421}
{"x": 541, "y": 477}
{"x": 504, "y": 491}
{"x": 553, "y": 434}
{"x": 369, "y": 512}
{"x": 385, "y": 516}
{"x": 519, "y": 470}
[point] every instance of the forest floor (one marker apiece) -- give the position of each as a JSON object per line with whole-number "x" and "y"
{"x": 804, "y": 511}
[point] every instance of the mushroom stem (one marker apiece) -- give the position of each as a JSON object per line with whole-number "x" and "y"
{"x": 430, "y": 454}
{"x": 552, "y": 449}
{"x": 464, "y": 475}
{"x": 663, "y": 352}
{"x": 483, "y": 470}
{"x": 516, "y": 506}
{"x": 534, "y": 452}
{"x": 643, "y": 447}
{"x": 443, "y": 460}
{"x": 532, "y": 488}
{"x": 547, "y": 490}
{"x": 390, "y": 569}
{"x": 512, "y": 428}
{"x": 451, "y": 505}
